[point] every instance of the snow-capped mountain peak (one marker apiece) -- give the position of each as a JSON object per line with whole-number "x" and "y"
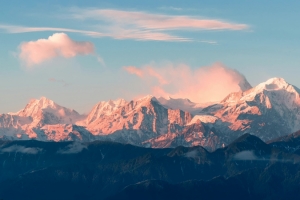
{"x": 275, "y": 90}
{"x": 272, "y": 108}
{"x": 36, "y": 105}
{"x": 108, "y": 108}
{"x": 147, "y": 98}
{"x": 45, "y": 102}
{"x": 44, "y": 110}
{"x": 275, "y": 84}
{"x": 118, "y": 102}
{"x": 144, "y": 115}
{"x": 268, "y": 110}
{"x": 38, "y": 113}
{"x": 104, "y": 108}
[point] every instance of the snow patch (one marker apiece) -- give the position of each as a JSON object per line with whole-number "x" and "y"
{"x": 183, "y": 104}
{"x": 203, "y": 118}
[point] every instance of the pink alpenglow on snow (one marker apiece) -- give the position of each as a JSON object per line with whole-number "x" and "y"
{"x": 57, "y": 45}
{"x": 204, "y": 84}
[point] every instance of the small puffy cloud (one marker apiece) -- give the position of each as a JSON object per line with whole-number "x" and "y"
{"x": 21, "y": 149}
{"x": 75, "y": 147}
{"x": 57, "y": 45}
{"x": 204, "y": 84}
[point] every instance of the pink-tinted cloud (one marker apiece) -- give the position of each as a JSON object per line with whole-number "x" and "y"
{"x": 121, "y": 24}
{"x": 57, "y": 45}
{"x": 146, "y": 72}
{"x": 204, "y": 84}
{"x": 157, "y": 21}
{"x": 143, "y": 35}
{"x": 134, "y": 70}
{"x": 144, "y": 26}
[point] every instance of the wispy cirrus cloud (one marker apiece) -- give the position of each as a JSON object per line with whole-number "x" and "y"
{"x": 156, "y": 21}
{"x": 57, "y": 45}
{"x": 170, "y": 8}
{"x": 135, "y": 25}
{"x": 112, "y": 31}
{"x": 148, "y": 26}
{"x": 26, "y": 29}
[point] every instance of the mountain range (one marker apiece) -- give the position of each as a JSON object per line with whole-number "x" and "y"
{"x": 247, "y": 168}
{"x": 156, "y": 148}
{"x": 268, "y": 110}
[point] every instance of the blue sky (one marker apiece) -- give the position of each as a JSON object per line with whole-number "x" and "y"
{"x": 260, "y": 40}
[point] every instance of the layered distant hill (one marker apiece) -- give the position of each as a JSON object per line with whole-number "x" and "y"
{"x": 248, "y": 168}
{"x": 269, "y": 110}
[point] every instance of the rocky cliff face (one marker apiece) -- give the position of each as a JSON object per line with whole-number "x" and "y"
{"x": 195, "y": 134}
